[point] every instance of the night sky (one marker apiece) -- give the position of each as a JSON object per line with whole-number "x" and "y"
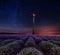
{"x": 18, "y": 13}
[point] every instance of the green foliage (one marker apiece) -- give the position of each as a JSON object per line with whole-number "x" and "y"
{"x": 57, "y": 51}
{"x": 12, "y": 45}
{"x": 47, "y": 45}
{"x": 56, "y": 42}
{"x": 29, "y": 53}
{"x": 2, "y": 45}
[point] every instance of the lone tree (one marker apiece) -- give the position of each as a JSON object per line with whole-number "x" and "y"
{"x": 33, "y": 30}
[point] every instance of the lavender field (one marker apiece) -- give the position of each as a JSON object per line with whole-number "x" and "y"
{"x": 29, "y": 45}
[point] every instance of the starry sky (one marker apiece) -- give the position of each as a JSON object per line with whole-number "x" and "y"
{"x": 18, "y": 13}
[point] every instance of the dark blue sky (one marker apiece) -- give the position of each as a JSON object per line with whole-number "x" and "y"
{"x": 18, "y": 13}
